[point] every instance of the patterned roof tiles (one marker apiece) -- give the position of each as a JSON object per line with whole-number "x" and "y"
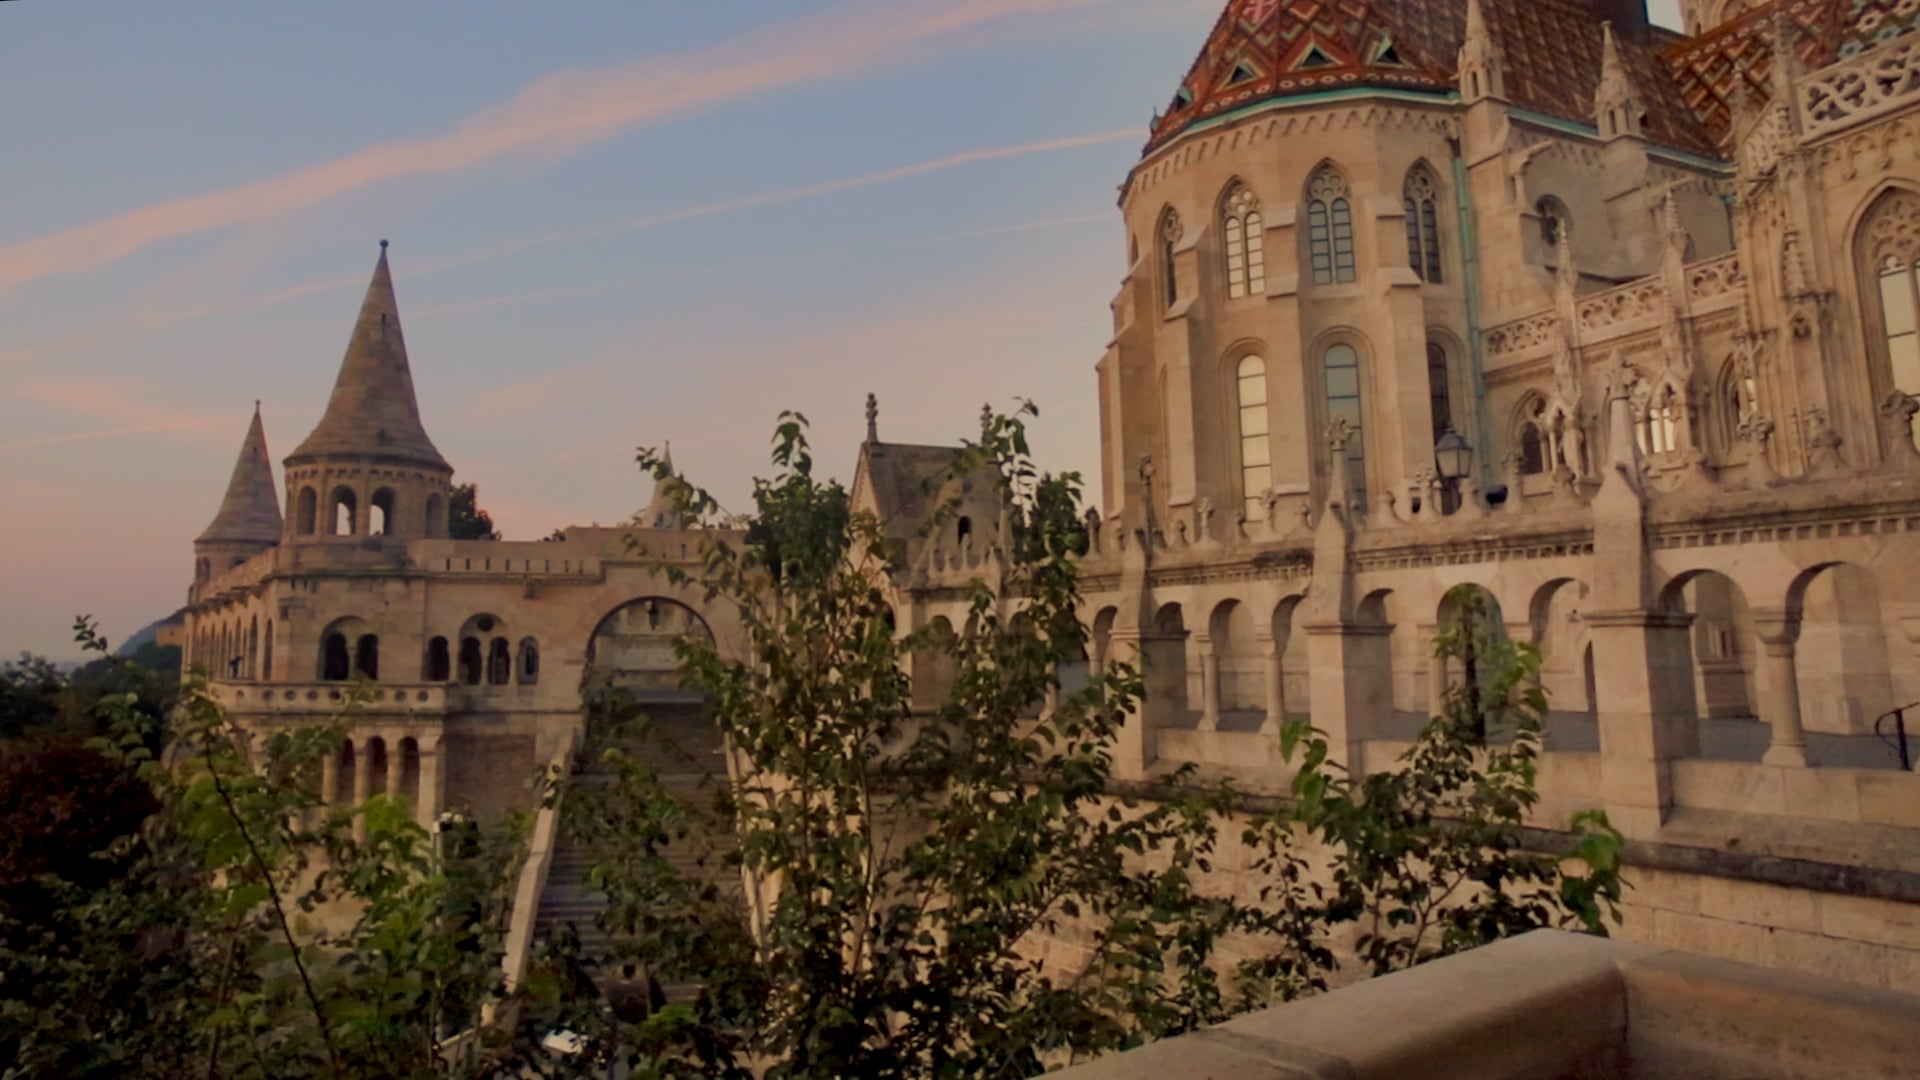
{"x": 1265, "y": 49}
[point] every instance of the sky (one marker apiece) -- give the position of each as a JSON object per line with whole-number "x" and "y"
{"x": 614, "y": 223}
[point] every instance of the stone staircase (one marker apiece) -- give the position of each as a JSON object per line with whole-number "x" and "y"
{"x": 685, "y": 751}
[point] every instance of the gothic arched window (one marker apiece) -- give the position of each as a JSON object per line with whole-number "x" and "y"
{"x": 1555, "y": 221}
{"x": 1439, "y": 389}
{"x": 1329, "y": 227}
{"x": 1890, "y": 248}
{"x": 1421, "y": 200}
{"x": 1169, "y": 241}
{"x": 1340, "y": 366}
{"x": 1531, "y": 437}
{"x": 1246, "y": 242}
{"x": 1256, "y": 451}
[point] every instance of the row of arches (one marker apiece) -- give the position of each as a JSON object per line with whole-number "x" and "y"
{"x": 234, "y": 651}
{"x": 1329, "y": 252}
{"x": 342, "y": 515}
{"x": 350, "y": 649}
{"x": 1754, "y": 678}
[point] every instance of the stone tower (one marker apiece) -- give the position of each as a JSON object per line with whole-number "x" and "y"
{"x": 368, "y": 468}
{"x": 249, "y": 519}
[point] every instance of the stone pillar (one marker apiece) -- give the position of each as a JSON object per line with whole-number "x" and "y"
{"x": 396, "y": 765}
{"x": 1209, "y": 687}
{"x": 1160, "y": 657}
{"x": 1276, "y": 689}
{"x": 432, "y": 784}
{"x": 362, "y": 787}
{"x": 330, "y": 777}
{"x": 1779, "y": 632}
{"x": 1647, "y": 712}
{"x": 1437, "y": 679}
{"x": 1349, "y": 696}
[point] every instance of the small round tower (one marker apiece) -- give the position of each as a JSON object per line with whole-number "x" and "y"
{"x": 368, "y": 469}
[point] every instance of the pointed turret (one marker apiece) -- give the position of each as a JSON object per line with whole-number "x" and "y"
{"x": 1617, "y": 106}
{"x": 1482, "y": 72}
{"x": 660, "y": 511}
{"x": 249, "y": 519}
{"x": 250, "y": 513}
{"x": 373, "y": 412}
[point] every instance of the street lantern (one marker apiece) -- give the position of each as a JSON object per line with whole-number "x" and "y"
{"x": 1453, "y": 456}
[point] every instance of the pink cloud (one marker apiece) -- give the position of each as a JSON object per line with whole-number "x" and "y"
{"x": 127, "y": 408}
{"x": 556, "y": 116}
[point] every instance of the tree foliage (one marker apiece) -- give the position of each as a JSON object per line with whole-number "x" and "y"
{"x": 465, "y": 519}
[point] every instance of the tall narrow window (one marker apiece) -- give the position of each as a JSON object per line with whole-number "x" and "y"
{"x": 1532, "y": 437}
{"x": 1256, "y": 450}
{"x": 439, "y": 665}
{"x": 1169, "y": 242}
{"x": 1341, "y": 365}
{"x": 1421, "y": 199}
{"x": 1439, "y": 389}
{"x": 1555, "y": 222}
{"x": 1246, "y": 243}
{"x": 366, "y": 656}
{"x": 1329, "y": 227}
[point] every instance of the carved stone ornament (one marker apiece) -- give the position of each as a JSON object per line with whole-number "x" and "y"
{"x": 1896, "y": 420}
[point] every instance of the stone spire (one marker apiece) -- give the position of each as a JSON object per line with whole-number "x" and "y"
{"x": 1617, "y": 107}
{"x": 373, "y": 412}
{"x": 660, "y": 512}
{"x": 250, "y": 513}
{"x": 1480, "y": 63}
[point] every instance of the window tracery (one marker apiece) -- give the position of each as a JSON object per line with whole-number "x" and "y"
{"x": 1330, "y": 227}
{"x": 1890, "y": 245}
{"x": 1246, "y": 243}
{"x": 1170, "y": 233}
{"x": 1340, "y": 369}
{"x": 1256, "y": 461}
{"x": 1420, "y": 199}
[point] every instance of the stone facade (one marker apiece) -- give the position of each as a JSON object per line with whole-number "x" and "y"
{"x": 1658, "y": 290}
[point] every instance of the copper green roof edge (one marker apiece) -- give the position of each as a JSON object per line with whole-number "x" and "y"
{"x": 1668, "y": 154}
{"x": 1431, "y": 97}
{"x": 1281, "y": 101}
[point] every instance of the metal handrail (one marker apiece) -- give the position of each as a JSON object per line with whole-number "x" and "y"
{"x": 1898, "y": 738}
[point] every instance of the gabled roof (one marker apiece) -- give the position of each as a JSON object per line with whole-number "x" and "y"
{"x": 904, "y": 481}
{"x": 250, "y": 512}
{"x": 1551, "y": 52}
{"x": 373, "y": 412}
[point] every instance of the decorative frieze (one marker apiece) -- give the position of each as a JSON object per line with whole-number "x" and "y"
{"x": 1851, "y": 93}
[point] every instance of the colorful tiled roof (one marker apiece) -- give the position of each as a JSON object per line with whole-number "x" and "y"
{"x": 1734, "y": 60}
{"x": 1551, "y": 49}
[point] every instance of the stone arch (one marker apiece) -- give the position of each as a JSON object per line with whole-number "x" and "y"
{"x": 409, "y": 751}
{"x": 1528, "y": 428}
{"x": 306, "y": 516}
{"x": 337, "y": 644}
{"x": 1101, "y": 637}
{"x": 527, "y": 662}
{"x": 632, "y": 646}
{"x": 1167, "y": 660}
{"x": 1556, "y": 628}
{"x": 1329, "y": 251}
{"x": 1843, "y": 666}
{"x": 1237, "y": 656}
{"x": 934, "y": 663}
{"x": 437, "y": 666}
{"x": 1340, "y": 374}
{"x": 476, "y": 635}
{"x": 343, "y": 512}
{"x": 253, "y": 648}
{"x": 376, "y": 750}
{"x": 1291, "y": 651}
{"x": 380, "y": 508}
{"x": 1723, "y": 651}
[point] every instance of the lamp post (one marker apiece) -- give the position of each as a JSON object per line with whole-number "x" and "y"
{"x": 1453, "y": 458}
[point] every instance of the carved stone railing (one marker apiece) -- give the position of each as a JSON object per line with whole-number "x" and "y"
{"x": 1711, "y": 283}
{"x": 1713, "y": 278}
{"x": 1855, "y": 91}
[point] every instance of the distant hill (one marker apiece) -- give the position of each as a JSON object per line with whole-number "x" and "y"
{"x": 147, "y": 634}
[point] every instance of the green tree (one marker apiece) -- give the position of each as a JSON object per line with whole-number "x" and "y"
{"x": 30, "y": 690}
{"x": 465, "y": 519}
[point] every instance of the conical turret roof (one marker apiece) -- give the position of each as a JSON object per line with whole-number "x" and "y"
{"x": 373, "y": 411}
{"x": 250, "y": 513}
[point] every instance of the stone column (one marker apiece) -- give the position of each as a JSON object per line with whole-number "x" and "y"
{"x": 1160, "y": 657}
{"x": 1349, "y": 696}
{"x": 1779, "y": 632}
{"x": 1276, "y": 689}
{"x": 1209, "y": 687}
{"x": 330, "y": 777}
{"x": 396, "y": 765}
{"x": 1437, "y": 679}
{"x": 432, "y": 784}
{"x": 362, "y": 786}
{"x": 1647, "y": 712}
